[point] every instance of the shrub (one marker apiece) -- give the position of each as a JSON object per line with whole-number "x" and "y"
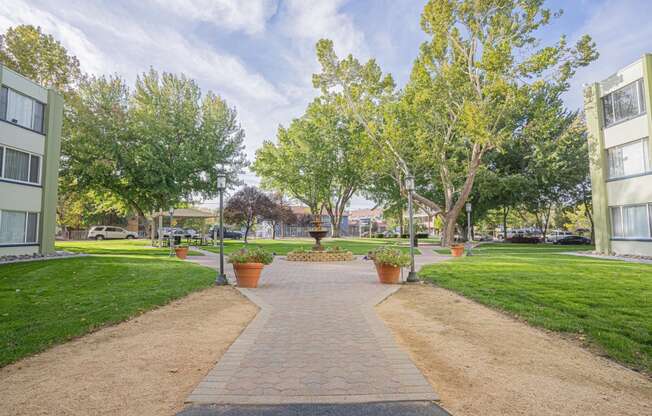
{"x": 253, "y": 255}
{"x": 422, "y": 235}
{"x": 379, "y": 235}
{"x": 334, "y": 249}
{"x": 390, "y": 256}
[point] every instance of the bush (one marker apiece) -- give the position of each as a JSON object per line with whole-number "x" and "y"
{"x": 379, "y": 235}
{"x": 390, "y": 256}
{"x": 422, "y": 235}
{"x": 519, "y": 239}
{"x": 334, "y": 249}
{"x": 254, "y": 255}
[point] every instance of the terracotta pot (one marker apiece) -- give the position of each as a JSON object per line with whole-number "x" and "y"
{"x": 388, "y": 274}
{"x": 457, "y": 250}
{"x": 247, "y": 274}
{"x": 181, "y": 252}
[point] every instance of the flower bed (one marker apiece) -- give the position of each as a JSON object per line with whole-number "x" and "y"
{"x": 319, "y": 256}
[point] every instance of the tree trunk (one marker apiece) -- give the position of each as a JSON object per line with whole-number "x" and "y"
{"x": 505, "y": 214}
{"x": 273, "y": 231}
{"x": 400, "y": 223}
{"x": 448, "y": 230}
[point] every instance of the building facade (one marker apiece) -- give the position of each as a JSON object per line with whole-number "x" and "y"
{"x": 619, "y": 123}
{"x": 30, "y": 139}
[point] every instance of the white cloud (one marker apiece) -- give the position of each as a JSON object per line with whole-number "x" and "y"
{"x": 249, "y": 16}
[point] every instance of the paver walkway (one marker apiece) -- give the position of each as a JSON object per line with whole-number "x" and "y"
{"x": 316, "y": 339}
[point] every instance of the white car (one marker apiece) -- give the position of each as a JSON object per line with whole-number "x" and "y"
{"x": 102, "y": 232}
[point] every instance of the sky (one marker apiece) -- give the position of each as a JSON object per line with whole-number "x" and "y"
{"x": 259, "y": 54}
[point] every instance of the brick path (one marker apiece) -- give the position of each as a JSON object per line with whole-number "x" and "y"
{"x": 316, "y": 339}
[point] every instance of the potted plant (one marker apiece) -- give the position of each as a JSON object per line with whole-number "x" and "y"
{"x": 388, "y": 263}
{"x": 457, "y": 250}
{"x": 181, "y": 251}
{"x": 248, "y": 264}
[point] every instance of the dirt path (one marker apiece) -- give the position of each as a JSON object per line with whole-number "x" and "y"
{"x": 482, "y": 362}
{"x": 146, "y": 366}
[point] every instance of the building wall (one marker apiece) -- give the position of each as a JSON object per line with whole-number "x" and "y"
{"x": 30, "y": 197}
{"x": 620, "y": 191}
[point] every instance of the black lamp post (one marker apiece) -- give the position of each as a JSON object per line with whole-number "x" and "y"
{"x": 171, "y": 236}
{"x": 468, "y": 231}
{"x": 221, "y": 186}
{"x": 409, "y": 185}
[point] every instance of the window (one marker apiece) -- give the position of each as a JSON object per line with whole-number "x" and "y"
{"x": 631, "y": 221}
{"x": 19, "y": 166}
{"x": 17, "y": 227}
{"x": 19, "y": 109}
{"x": 629, "y": 159}
{"x": 624, "y": 103}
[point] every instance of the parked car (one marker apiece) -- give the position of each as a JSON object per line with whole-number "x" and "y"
{"x": 234, "y": 235}
{"x": 573, "y": 240}
{"x": 165, "y": 232}
{"x": 190, "y": 233}
{"x": 555, "y": 235}
{"x": 102, "y": 232}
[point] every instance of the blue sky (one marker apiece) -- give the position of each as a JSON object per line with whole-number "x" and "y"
{"x": 259, "y": 54}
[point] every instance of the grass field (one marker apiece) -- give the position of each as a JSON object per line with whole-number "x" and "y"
{"x": 282, "y": 247}
{"x": 604, "y": 302}
{"x": 44, "y": 303}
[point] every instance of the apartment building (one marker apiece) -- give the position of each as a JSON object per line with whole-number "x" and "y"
{"x": 619, "y": 123}
{"x": 30, "y": 132}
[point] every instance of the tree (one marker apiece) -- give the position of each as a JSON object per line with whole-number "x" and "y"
{"x": 154, "y": 147}
{"x": 280, "y": 213}
{"x": 248, "y": 206}
{"x": 467, "y": 82}
{"x": 321, "y": 159}
{"x": 41, "y": 58}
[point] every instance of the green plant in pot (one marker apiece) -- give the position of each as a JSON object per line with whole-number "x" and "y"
{"x": 248, "y": 265}
{"x": 388, "y": 263}
{"x": 181, "y": 251}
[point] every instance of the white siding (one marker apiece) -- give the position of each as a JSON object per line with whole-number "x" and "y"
{"x": 637, "y": 248}
{"x": 23, "y": 85}
{"x": 20, "y": 197}
{"x": 22, "y": 139}
{"x": 636, "y": 190}
{"x": 17, "y": 251}
{"x": 627, "y": 131}
{"x": 621, "y": 78}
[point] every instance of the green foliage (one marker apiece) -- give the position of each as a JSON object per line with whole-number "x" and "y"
{"x": 39, "y": 57}
{"x": 604, "y": 300}
{"x": 153, "y": 147}
{"x": 390, "y": 256}
{"x": 251, "y": 255}
{"x": 321, "y": 159}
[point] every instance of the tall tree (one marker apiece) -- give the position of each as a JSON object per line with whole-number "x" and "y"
{"x": 483, "y": 59}
{"x": 154, "y": 147}
{"x": 248, "y": 206}
{"x": 321, "y": 160}
{"x": 39, "y": 57}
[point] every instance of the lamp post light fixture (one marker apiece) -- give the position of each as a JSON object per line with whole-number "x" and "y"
{"x": 221, "y": 186}
{"x": 468, "y": 229}
{"x": 409, "y": 186}
{"x": 171, "y": 236}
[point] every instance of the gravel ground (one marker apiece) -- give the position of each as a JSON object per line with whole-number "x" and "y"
{"x": 482, "y": 362}
{"x": 145, "y": 366}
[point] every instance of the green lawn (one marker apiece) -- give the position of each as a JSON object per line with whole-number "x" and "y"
{"x": 48, "y": 302}
{"x": 608, "y": 302}
{"x": 283, "y": 246}
{"x": 115, "y": 247}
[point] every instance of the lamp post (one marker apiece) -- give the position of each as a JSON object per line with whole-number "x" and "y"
{"x": 221, "y": 186}
{"x": 468, "y": 229}
{"x": 409, "y": 185}
{"x": 171, "y": 236}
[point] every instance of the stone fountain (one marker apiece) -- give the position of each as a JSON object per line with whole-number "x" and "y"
{"x": 317, "y": 233}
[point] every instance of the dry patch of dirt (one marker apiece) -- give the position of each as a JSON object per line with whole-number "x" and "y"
{"x": 482, "y": 362}
{"x": 145, "y": 366}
